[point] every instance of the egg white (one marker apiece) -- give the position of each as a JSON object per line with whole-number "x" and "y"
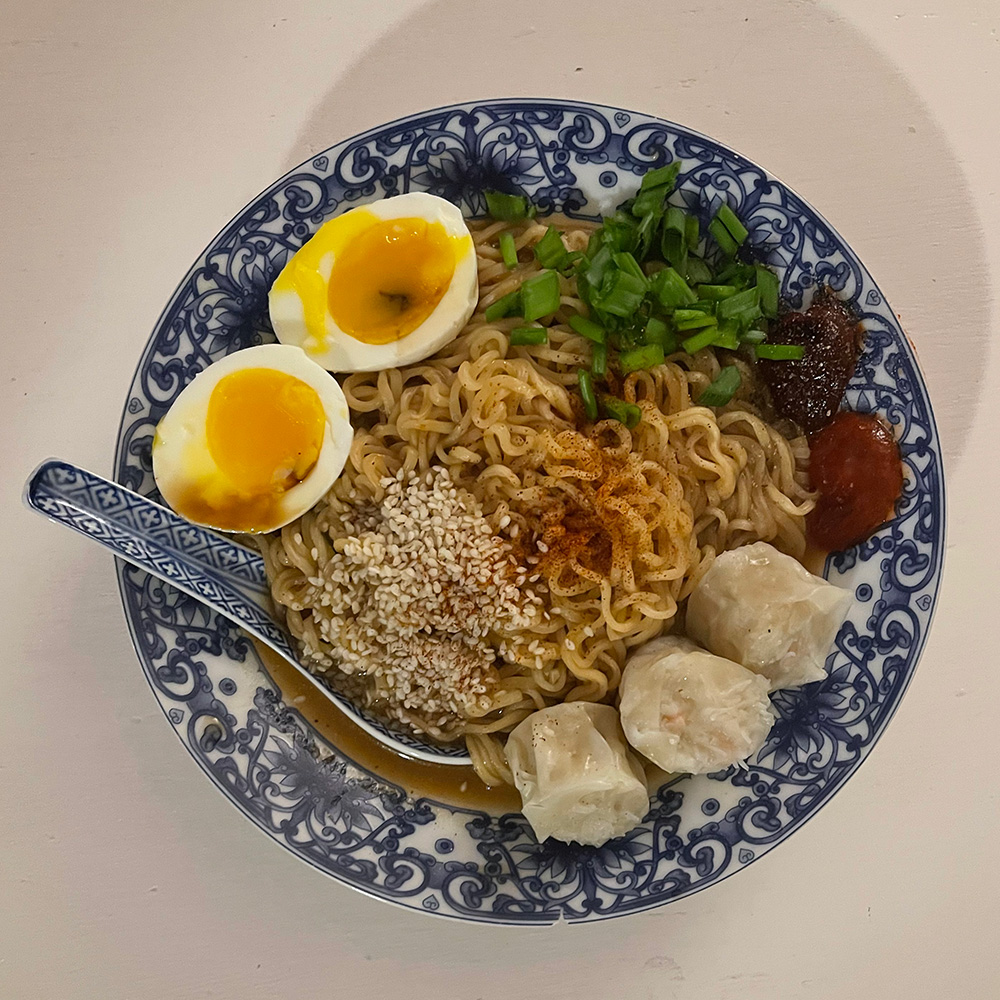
{"x": 182, "y": 460}
{"x": 337, "y": 350}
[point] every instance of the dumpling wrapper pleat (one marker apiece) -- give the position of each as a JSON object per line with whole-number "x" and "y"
{"x": 577, "y": 779}
{"x": 690, "y": 711}
{"x": 765, "y": 610}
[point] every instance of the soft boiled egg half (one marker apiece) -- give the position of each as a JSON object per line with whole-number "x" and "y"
{"x": 382, "y": 285}
{"x": 254, "y": 441}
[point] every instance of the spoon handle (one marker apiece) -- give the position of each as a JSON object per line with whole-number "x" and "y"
{"x": 226, "y": 576}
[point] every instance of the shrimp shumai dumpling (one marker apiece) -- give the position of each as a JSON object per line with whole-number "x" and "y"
{"x": 577, "y": 779}
{"x": 690, "y": 711}
{"x": 764, "y": 609}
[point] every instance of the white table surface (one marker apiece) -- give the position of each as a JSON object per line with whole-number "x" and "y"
{"x": 130, "y": 134}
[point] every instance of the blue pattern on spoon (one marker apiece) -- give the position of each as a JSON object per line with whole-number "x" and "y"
{"x": 225, "y": 576}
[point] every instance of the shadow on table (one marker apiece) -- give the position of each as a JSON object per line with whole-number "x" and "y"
{"x": 790, "y": 84}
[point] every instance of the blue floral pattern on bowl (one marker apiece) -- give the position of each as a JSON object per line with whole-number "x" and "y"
{"x": 363, "y": 830}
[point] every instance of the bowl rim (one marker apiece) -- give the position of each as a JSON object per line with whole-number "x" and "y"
{"x": 529, "y": 103}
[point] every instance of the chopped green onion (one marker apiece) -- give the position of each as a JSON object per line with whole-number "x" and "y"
{"x": 767, "y": 282}
{"x": 780, "y": 352}
{"x": 621, "y": 232}
{"x": 599, "y": 360}
{"x": 754, "y": 337}
{"x": 569, "y": 262}
{"x": 540, "y": 295}
{"x": 692, "y": 231}
{"x": 747, "y": 317}
{"x": 550, "y": 249}
{"x": 661, "y": 176}
{"x": 508, "y": 207}
{"x": 630, "y": 265}
{"x": 617, "y": 409}
{"x": 671, "y": 289}
{"x": 508, "y": 251}
{"x": 647, "y": 356}
{"x": 587, "y": 394}
{"x": 697, "y": 271}
{"x": 507, "y": 305}
{"x": 588, "y": 328}
{"x": 723, "y": 237}
{"x": 656, "y": 332}
{"x": 716, "y": 291}
{"x": 597, "y": 267}
{"x": 648, "y": 225}
{"x": 728, "y": 218}
{"x": 522, "y": 335}
{"x": 728, "y": 335}
{"x": 674, "y": 243}
{"x": 743, "y": 301}
{"x": 621, "y": 293}
{"x": 693, "y": 319}
{"x": 735, "y": 273}
{"x": 721, "y": 390}
{"x": 700, "y": 340}
{"x": 649, "y": 202}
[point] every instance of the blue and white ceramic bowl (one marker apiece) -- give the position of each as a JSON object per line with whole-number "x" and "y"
{"x": 359, "y": 827}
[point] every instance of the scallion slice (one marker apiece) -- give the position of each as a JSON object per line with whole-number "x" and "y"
{"x": 568, "y": 264}
{"x": 674, "y": 242}
{"x": 522, "y": 335}
{"x": 621, "y": 293}
{"x": 656, "y": 332}
{"x": 780, "y": 352}
{"x": 721, "y": 389}
{"x": 693, "y": 319}
{"x": 599, "y": 360}
{"x": 754, "y": 337}
{"x": 692, "y": 231}
{"x": 649, "y": 201}
{"x": 588, "y": 328}
{"x": 704, "y": 338}
{"x": 507, "y": 305}
{"x": 550, "y": 249}
{"x": 767, "y": 282}
{"x": 741, "y": 302}
{"x": 508, "y": 251}
{"x": 723, "y": 237}
{"x": 715, "y": 292}
{"x": 621, "y": 232}
{"x": 639, "y": 358}
{"x": 728, "y": 218}
{"x": 671, "y": 289}
{"x": 697, "y": 271}
{"x": 661, "y": 176}
{"x": 587, "y": 394}
{"x": 508, "y": 207}
{"x": 617, "y": 409}
{"x": 747, "y": 317}
{"x": 728, "y": 335}
{"x": 741, "y": 275}
{"x": 540, "y": 295}
{"x": 630, "y": 265}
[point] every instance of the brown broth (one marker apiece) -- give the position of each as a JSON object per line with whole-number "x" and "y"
{"x": 814, "y": 560}
{"x": 452, "y": 784}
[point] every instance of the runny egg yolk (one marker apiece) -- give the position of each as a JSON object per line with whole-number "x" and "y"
{"x": 265, "y": 431}
{"x": 390, "y": 278}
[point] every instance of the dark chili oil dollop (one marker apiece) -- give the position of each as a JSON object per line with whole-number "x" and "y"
{"x": 809, "y": 391}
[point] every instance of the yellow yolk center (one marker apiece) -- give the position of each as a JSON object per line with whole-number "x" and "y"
{"x": 265, "y": 431}
{"x": 390, "y": 278}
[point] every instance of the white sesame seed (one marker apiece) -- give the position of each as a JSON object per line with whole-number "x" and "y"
{"x": 422, "y": 598}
